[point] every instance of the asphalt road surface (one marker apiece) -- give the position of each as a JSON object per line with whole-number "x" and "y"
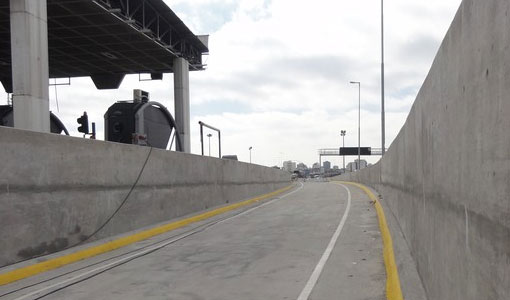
{"x": 319, "y": 241}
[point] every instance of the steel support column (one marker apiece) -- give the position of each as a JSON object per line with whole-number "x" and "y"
{"x": 30, "y": 70}
{"x": 182, "y": 104}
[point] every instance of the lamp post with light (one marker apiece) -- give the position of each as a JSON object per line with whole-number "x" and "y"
{"x": 383, "y": 133}
{"x": 342, "y": 133}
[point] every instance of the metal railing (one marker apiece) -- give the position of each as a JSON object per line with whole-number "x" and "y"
{"x": 202, "y": 125}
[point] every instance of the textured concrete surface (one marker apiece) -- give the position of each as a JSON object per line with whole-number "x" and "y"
{"x": 410, "y": 281}
{"x": 265, "y": 253}
{"x": 446, "y": 177}
{"x": 55, "y": 191}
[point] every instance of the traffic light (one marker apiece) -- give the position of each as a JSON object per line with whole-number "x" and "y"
{"x": 84, "y": 122}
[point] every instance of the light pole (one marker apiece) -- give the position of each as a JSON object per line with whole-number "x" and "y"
{"x": 209, "y": 136}
{"x": 342, "y": 133}
{"x": 382, "y": 79}
{"x": 250, "y": 152}
{"x": 359, "y": 121}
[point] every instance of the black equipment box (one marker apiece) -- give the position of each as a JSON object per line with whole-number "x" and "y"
{"x": 137, "y": 122}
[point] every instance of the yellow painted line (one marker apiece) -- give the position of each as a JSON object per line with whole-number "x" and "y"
{"x": 393, "y": 291}
{"x": 57, "y": 262}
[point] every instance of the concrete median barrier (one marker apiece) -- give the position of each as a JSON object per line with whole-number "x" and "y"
{"x": 58, "y": 191}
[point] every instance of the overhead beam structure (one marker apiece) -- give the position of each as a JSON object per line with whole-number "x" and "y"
{"x": 105, "y": 39}
{"x": 108, "y": 37}
{"x": 347, "y": 152}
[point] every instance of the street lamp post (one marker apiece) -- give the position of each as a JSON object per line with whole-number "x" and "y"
{"x": 250, "y": 152}
{"x": 382, "y": 80}
{"x": 209, "y": 136}
{"x": 342, "y": 133}
{"x": 359, "y": 121}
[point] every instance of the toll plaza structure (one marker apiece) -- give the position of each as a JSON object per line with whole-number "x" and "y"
{"x": 103, "y": 39}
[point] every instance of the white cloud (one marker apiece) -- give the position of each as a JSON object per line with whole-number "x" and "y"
{"x": 298, "y": 62}
{"x": 278, "y": 73}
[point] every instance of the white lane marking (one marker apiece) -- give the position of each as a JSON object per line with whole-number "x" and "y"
{"x": 312, "y": 281}
{"x": 39, "y": 292}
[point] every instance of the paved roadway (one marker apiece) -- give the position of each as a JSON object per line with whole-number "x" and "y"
{"x": 313, "y": 243}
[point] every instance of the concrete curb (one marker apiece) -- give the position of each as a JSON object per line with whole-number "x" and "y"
{"x": 393, "y": 290}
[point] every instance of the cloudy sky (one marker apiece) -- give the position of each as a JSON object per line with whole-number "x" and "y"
{"x": 278, "y": 73}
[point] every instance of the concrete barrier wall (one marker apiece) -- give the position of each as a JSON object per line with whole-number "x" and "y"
{"x": 55, "y": 191}
{"x": 446, "y": 177}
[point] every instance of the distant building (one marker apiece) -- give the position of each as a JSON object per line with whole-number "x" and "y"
{"x": 335, "y": 167}
{"x": 289, "y": 166}
{"x": 327, "y": 165}
{"x": 363, "y": 163}
{"x": 355, "y": 165}
{"x": 302, "y": 167}
{"x": 316, "y": 169}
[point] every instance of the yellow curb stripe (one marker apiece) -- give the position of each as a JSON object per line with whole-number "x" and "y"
{"x": 393, "y": 291}
{"x": 57, "y": 262}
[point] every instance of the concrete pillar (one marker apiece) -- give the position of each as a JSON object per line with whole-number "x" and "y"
{"x": 181, "y": 96}
{"x": 30, "y": 71}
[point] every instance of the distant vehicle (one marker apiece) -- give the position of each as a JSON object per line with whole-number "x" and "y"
{"x": 299, "y": 174}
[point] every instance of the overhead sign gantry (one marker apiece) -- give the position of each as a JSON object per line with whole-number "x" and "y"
{"x": 348, "y": 151}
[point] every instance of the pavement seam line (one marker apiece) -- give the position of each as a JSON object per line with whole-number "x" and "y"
{"x": 393, "y": 290}
{"x": 54, "y": 263}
